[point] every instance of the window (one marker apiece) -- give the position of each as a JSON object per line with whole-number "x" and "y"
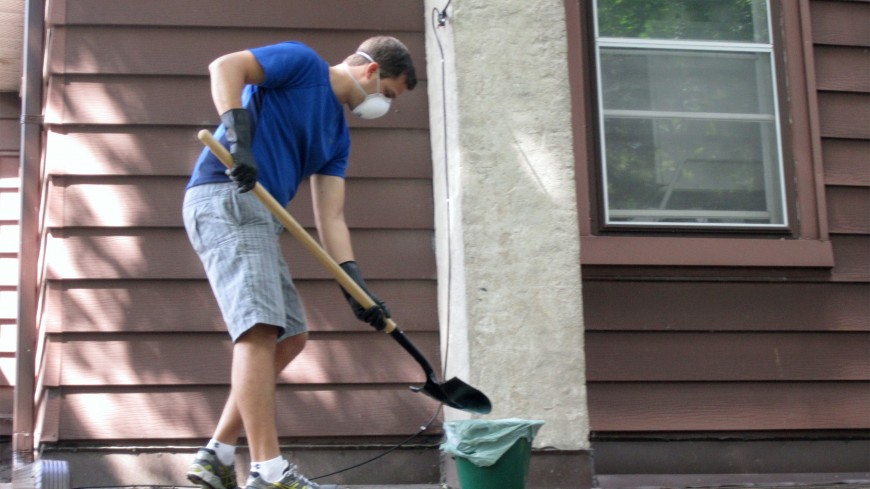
{"x": 727, "y": 205}
{"x": 688, "y": 115}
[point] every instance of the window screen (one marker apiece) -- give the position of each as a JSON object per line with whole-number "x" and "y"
{"x": 688, "y": 114}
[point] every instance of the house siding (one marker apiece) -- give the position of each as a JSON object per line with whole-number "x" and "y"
{"x": 133, "y": 348}
{"x": 742, "y": 360}
{"x": 10, "y": 140}
{"x": 692, "y": 368}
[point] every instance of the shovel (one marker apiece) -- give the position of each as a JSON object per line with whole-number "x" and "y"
{"x": 454, "y": 393}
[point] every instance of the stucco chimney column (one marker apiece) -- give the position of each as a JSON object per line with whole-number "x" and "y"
{"x": 507, "y": 234}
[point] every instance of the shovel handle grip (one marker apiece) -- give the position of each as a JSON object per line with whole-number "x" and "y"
{"x": 297, "y": 230}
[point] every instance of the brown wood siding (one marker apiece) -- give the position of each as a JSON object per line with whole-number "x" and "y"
{"x": 130, "y": 322}
{"x": 845, "y": 162}
{"x": 139, "y": 201}
{"x": 696, "y": 351}
{"x": 716, "y": 305}
{"x": 727, "y": 356}
{"x": 346, "y": 357}
{"x": 311, "y": 411}
{"x": 154, "y": 306}
{"x": 841, "y": 42}
{"x": 728, "y": 406}
{"x": 136, "y": 99}
{"x": 167, "y": 151}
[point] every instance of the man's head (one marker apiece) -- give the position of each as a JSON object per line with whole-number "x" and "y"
{"x": 393, "y": 59}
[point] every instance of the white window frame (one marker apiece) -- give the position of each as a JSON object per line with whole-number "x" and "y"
{"x": 682, "y": 46}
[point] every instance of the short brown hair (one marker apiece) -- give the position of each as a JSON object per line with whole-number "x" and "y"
{"x": 391, "y": 55}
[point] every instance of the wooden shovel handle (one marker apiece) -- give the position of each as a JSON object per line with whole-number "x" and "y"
{"x": 297, "y": 230}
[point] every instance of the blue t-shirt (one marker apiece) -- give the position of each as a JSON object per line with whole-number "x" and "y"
{"x": 299, "y": 127}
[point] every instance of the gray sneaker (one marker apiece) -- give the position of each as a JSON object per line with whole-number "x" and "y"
{"x": 208, "y": 472}
{"x": 292, "y": 480}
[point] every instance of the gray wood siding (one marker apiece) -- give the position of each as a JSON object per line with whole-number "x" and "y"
{"x": 130, "y": 322}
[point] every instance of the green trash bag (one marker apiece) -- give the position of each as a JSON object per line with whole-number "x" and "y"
{"x": 483, "y": 442}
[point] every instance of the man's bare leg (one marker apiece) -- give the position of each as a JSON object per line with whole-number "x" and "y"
{"x": 230, "y": 424}
{"x": 253, "y": 387}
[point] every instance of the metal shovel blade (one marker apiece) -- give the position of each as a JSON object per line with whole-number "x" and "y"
{"x": 453, "y": 393}
{"x": 456, "y": 394}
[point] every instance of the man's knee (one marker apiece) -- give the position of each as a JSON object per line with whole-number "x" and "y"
{"x": 289, "y": 348}
{"x": 260, "y": 333}
{"x": 296, "y": 341}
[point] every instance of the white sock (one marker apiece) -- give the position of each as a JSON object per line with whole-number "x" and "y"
{"x": 225, "y": 452}
{"x": 270, "y": 470}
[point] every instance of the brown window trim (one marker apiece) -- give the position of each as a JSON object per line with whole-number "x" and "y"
{"x": 808, "y": 245}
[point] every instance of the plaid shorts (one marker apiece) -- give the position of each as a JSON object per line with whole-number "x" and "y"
{"x": 236, "y": 238}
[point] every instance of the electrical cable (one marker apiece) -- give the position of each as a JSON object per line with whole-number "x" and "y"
{"x": 391, "y": 450}
{"x": 404, "y": 442}
{"x": 441, "y": 17}
{"x": 442, "y": 21}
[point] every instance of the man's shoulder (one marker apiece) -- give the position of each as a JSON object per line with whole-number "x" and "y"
{"x": 294, "y": 48}
{"x": 290, "y": 63}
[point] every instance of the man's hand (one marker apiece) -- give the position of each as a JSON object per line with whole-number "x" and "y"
{"x": 238, "y": 125}
{"x": 376, "y": 315}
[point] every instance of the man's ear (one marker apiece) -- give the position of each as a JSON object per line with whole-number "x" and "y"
{"x": 372, "y": 69}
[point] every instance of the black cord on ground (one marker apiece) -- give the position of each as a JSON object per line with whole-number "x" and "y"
{"x": 391, "y": 450}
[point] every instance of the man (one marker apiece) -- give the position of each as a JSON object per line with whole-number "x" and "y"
{"x": 282, "y": 113}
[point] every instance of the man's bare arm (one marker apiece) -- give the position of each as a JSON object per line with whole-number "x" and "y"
{"x": 229, "y": 75}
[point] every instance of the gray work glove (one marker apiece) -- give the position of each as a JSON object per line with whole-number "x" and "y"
{"x": 238, "y": 125}
{"x": 376, "y": 315}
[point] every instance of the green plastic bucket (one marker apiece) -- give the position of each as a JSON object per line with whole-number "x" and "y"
{"x": 491, "y": 454}
{"x": 509, "y": 472}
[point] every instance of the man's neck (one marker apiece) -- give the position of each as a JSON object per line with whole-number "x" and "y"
{"x": 342, "y": 84}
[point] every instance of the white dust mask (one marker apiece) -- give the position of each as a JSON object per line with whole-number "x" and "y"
{"x": 375, "y": 104}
